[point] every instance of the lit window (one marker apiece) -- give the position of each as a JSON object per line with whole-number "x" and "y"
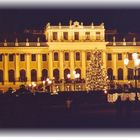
{"x": 65, "y": 35}
{"x": 55, "y": 56}
{"x": 22, "y": 57}
{"x": 44, "y": 57}
{"x": 33, "y": 57}
{"x": 11, "y": 57}
{"x": 66, "y": 56}
{"x": 109, "y": 56}
{"x": 88, "y": 55}
{"x": 76, "y": 35}
{"x": 77, "y": 56}
{"x": 54, "y": 35}
{"x": 130, "y": 56}
{"x": 0, "y": 57}
{"x": 119, "y": 56}
{"x": 98, "y": 36}
{"x": 87, "y": 35}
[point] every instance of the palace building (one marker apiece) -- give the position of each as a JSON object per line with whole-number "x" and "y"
{"x": 59, "y": 51}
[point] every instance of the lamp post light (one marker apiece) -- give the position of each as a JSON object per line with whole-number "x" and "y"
{"x": 44, "y": 85}
{"x": 76, "y": 76}
{"x": 136, "y": 64}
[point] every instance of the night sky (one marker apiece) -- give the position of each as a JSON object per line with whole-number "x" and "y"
{"x": 16, "y": 20}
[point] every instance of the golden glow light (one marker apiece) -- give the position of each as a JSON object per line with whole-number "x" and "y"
{"x": 126, "y": 61}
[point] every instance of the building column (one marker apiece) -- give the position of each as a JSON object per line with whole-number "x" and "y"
{"x": 5, "y": 68}
{"x": 28, "y": 73}
{"x": 17, "y": 68}
{"x": 39, "y": 67}
{"x": 125, "y": 72}
{"x": 50, "y": 65}
{"x": 83, "y": 74}
{"x": 61, "y": 66}
{"x": 114, "y": 65}
{"x": 72, "y": 67}
{"x": 72, "y": 63}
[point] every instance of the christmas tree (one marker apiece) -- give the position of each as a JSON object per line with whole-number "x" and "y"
{"x": 96, "y": 76}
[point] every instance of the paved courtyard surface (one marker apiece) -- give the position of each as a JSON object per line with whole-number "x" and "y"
{"x": 96, "y": 115}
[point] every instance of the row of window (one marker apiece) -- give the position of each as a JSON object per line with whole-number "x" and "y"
{"x": 120, "y": 74}
{"x": 76, "y": 35}
{"x": 22, "y": 57}
{"x": 109, "y": 56}
{"x": 66, "y": 56}
{"x": 23, "y": 77}
{"x": 44, "y": 57}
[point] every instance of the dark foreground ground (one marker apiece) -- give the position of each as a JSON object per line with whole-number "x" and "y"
{"x": 86, "y": 111}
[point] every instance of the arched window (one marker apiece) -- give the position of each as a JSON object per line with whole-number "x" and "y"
{"x": 33, "y": 75}
{"x": 66, "y": 72}
{"x": 78, "y": 56}
{"x": 88, "y": 55}
{"x": 66, "y": 56}
{"x": 130, "y": 74}
{"x": 23, "y": 76}
{"x": 44, "y": 74}
{"x": 56, "y": 56}
{"x": 11, "y": 76}
{"x": 78, "y": 71}
{"x": 110, "y": 73}
{"x": 56, "y": 74}
{"x": 139, "y": 74}
{"x": 1, "y": 75}
{"x": 120, "y": 74}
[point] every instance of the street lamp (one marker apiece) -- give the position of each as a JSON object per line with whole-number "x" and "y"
{"x": 136, "y": 64}
{"x": 43, "y": 84}
{"x": 76, "y": 76}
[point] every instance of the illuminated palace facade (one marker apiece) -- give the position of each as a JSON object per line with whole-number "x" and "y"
{"x": 66, "y": 49}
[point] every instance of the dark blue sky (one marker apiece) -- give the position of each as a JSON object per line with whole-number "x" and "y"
{"x": 15, "y": 20}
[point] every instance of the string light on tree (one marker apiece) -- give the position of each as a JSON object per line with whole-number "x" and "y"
{"x": 96, "y": 76}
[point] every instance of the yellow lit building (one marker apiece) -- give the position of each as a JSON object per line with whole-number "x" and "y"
{"x": 66, "y": 49}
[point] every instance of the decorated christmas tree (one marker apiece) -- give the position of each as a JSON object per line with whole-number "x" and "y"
{"x": 96, "y": 76}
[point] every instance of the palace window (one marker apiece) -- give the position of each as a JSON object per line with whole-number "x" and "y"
{"x": 98, "y": 35}
{"x": 87, "y": 35}
{"x": 54, "y": 35}
{"x": 33, "y": 57}
{"x": 33, "y": 75}
{"x": 88, "y": 55}
{"x": 44, "y": 57}
{"x": 77, "y": 56}
{"x": 109, "y": 56}
{"x": 130, "y": 56}
{"x": 55, "y": 56}
{"x": 119, "y": 56}
{"x": 130, "y": 74}
{"x": 11, "y": 76}
{"x": 120, "y": 74}
{"x": 0, "y": 57}
{"x": 22, "y": 57}
{"x": 11, "y": 57}
{"x": 1, "y": 76}
{"x": 76, "y": 35}
{"x": 110, "y": 73}
{"x": 66, "y": 56}
{"x": 65, "y": 35}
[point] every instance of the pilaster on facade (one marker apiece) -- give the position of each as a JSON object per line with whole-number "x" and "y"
{"x": 50, "y": 65}
{"x": 28, "y": 58}
{"x": 72, "y": 63}
{"x": 83, "y": 71}
{"x": 5, "y": 68}
{"x": 114, "y": 64}
{"x": 39, "y": 66}
{"x": 17, "y": 68}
